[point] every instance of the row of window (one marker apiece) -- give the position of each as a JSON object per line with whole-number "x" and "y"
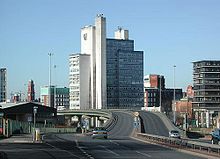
{"x": 74, "y": 87}
{"x": 217, "y": 69}
{"x": 208, "y": 63}
{"x": 206, "y": 99}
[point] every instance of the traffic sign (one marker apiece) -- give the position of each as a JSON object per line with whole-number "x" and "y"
{"x": 136, "y": 124}
{"x": 136, "y": 113}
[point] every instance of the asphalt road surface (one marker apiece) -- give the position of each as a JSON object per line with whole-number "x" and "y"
{"x": 152, "y": 124}
{"x": 118, "y": 145}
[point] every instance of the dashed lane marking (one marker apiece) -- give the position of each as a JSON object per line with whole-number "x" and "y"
{"x": 110, "y": 151}
{"x": 71, "y": 154}
{"x": 144, "y": 154}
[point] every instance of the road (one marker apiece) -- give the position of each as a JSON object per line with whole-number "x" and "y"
{"x": 118, "y": 145}
{"x": 152, "y": 124}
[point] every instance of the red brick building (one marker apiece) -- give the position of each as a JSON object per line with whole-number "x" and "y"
{"x": 31, "y": 92}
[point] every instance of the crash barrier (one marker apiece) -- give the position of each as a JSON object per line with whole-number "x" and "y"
{"x": 58, "y": 130}
{"x": 182, "y": 143}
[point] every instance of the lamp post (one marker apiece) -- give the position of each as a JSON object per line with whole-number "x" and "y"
{"x": 160, "y": 95}
{"x": 54, "y": 93}
{"x": 35, "y": 112}
{"x": 49, "y": 91}
{"x": 174, "y": 96}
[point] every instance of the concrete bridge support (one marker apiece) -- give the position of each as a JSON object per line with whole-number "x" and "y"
{"x": 207, "y": 119}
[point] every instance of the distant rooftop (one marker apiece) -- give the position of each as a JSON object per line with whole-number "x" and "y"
{"x": 4, "y": 105}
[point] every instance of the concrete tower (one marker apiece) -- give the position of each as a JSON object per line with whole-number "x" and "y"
{"x": 88, "y": 46}
{"x": 100, "y": 24}
{"x": 93, "y": 42}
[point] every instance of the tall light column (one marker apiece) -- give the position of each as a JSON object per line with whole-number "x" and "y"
{"x": 49, "y": 91}
{"x": 35, "y": 112}
{"x": 174, "y": 96}
{"x": 54, "y": 91}
{"x": 160, "y": 95}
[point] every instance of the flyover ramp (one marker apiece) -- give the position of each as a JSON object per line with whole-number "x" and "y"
{"x": 167, "y": 121}
{"x": 123, "y": 126}
{"x": 152, "y": 124}
{"x": 156, "y": 123}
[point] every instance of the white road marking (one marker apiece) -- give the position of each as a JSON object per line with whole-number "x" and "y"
{"x": 82, "y": 150}
{"x": 114, "y": 142}
{"x": 71, "y": 154}
{"x": 51, "y": 146}
{"x": 144, "y": 154}
{"x": 110, "y": 151}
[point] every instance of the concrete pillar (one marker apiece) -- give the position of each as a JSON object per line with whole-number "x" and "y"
{"x": 96, "y": 122}
{"x": 99, "y": 123}
{"x": 207, "y": 119}
{"x": 202, "y": 119}
{"x": 218, "y": 120}
{"x": 197, "y": 118}
{"x": 92, "y": 122}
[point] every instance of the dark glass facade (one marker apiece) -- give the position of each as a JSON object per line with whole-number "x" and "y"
{"x": 124, "y": 74}
{"x": 153, "y": 98}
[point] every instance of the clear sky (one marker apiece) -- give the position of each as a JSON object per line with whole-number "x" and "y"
{"x": 170, "y": 32}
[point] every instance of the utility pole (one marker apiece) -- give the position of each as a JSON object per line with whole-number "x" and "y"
{"x": 49, "y": 90}
{"x": 55, "y": 106}
{"x": 174, "y": 96}
{"x": 160, "y": 95}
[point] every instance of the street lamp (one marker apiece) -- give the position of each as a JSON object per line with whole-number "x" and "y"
{"x": 174, "y": 96}
{"x": 55, "y": 66}
{"x": 35, "y": 112}
{"x": 160, "y": 95}
{"x": 49, "y": 91}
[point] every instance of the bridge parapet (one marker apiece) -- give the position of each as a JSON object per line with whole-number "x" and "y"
{"x": 88, "y": 112}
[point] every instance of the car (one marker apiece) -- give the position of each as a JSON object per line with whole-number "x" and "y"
{"x": 216, "y": 136}
{"x": 174, "y": 134}
{"x": 99, "y": 132}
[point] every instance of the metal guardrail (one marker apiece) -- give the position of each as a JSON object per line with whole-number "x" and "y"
{"x": 182, "y": 144}
{"x": 58, "y": 130}
{"x": 89, "y": 112}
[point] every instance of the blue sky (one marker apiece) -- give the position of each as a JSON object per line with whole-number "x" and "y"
{"x": 168, "y": 31}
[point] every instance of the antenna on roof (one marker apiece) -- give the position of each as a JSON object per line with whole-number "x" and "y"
{"x": 119, "y": 28}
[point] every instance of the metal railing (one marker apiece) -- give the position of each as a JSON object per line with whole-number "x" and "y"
{"x": 186, "y": 144}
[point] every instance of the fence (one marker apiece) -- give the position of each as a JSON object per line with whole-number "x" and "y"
{"x": 16, "y": 127}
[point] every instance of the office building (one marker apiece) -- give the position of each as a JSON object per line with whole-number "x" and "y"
{"x": 59, "y": 97}
{"x": 79, "y": 81}
{"x": 152, "y": 85}
{"x": 16, "y": 98}
{"x": 115, "y": 70}
{"x": 31, "y": 92}
{"x": 153, "y": 81}
{"x": 3, "y": 85}
{"x": 153, "y": 94}
{"x": 206, "y": 84}
{"x": 44, "y": 96}
{"x": 124, "y": 72}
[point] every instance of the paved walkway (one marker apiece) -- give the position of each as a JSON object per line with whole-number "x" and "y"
{"x": 20, "y": 138}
